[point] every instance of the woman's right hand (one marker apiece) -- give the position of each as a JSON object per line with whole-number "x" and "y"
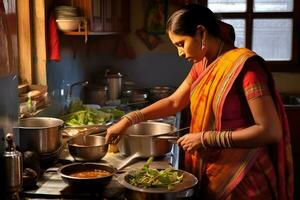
{"x": 114, "y": 132}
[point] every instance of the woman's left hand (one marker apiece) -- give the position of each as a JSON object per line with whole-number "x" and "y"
{"x": 190, "y": 142}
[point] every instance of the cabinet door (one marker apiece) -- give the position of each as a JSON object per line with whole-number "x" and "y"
{"x": 105, "y": 15}
{"x": 8, "y": 41}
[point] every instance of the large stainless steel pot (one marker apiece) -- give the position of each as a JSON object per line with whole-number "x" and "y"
{"x": 40, "y": 134}
{"x": 142, "y": 139}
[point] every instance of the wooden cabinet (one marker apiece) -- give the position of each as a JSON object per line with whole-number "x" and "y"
{"x": 104, "y": 16}
{"x": 8, "y": 41}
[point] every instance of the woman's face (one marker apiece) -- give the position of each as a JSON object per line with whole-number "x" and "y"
{"x": 188, "y": 47}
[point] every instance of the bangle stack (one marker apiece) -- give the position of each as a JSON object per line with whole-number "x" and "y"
{"x": 219, "y": 139}
{"x": 134, "y": 117}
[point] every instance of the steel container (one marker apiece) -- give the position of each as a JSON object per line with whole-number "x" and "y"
{"x": 97, "y": 95}
{"x": 88, "y": 148}
{"x": 40, "y": 134}
{"x": 13, "y": 166}
{"x": 114, "y": 82}
{"x": 142, "y": 139}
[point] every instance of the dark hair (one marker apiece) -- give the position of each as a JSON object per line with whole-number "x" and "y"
{"x": 186, "y": 20}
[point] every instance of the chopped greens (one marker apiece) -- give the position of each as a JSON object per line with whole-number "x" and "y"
{"x": 150, "y": 177}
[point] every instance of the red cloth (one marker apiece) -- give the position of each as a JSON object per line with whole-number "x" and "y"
{"x": 53, "y": 40}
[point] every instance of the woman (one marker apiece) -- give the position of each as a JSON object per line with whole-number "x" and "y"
{"x": 238, "y": 145}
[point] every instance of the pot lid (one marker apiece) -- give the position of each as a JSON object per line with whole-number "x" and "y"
{"x": 114, "y": 75}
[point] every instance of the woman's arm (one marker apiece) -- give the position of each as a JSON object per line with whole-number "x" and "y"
{"x": 162, "y": 108}
{"x": 267, "y": 128}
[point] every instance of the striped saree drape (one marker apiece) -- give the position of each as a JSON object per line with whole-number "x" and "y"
{"x": 224, "y": 169}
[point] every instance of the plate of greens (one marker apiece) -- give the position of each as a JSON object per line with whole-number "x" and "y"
{"x": 151, "y": 180}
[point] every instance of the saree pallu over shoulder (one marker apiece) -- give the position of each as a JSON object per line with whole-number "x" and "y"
{"x": 207, "y": 99}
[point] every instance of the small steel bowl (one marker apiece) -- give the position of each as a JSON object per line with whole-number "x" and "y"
{"x": 87, "y": 148}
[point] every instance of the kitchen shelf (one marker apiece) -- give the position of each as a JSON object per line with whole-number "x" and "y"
{"x": 91, "y": 33}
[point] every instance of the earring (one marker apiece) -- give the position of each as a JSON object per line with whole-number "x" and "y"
{"x": 203, "y": 45}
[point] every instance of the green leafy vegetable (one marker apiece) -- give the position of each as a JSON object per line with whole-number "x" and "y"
{"x": 150, "y": 177}
{"x": 79, "y": 115}
{"x": 116, "y": 113}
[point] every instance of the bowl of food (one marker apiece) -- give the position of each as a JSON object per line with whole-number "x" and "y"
{"x": 87, "y": 174}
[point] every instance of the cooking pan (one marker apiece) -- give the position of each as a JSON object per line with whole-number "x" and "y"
{"x": 66, "y": 170}
{"x": 146, "y": 139}
{"x": 141, "y": 138}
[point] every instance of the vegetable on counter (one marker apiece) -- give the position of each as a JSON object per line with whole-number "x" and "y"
{"x": 78, "y": 114}
{"x": 150, "y": 177}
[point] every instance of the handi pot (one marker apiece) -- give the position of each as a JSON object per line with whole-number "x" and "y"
{"x": 40, "y": 134}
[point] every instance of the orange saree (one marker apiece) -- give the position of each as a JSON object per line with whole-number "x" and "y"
{"x": 222, "y": 170}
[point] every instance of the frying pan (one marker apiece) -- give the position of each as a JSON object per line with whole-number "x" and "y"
{"x": 66, "y": 170}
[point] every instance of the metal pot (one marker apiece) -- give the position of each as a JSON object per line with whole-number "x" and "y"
{"x": 141, "y": 138}
{"x": 88, "y": 148}
{"x": 40, "y": 134}
{"x": 160, "y": 92}
{"x": 115, "y": 85}
{"x": 66, "y": 170}
{"x": 97, "y": 94}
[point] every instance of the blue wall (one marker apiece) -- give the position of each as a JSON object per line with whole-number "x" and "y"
{"x": 80, "y": 61}
{"x": 9, "y": 105}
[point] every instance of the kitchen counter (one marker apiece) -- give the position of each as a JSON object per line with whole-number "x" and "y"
{"x": 52, "y": 186}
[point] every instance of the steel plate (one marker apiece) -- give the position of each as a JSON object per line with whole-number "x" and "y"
{"x": 188, "y": 181}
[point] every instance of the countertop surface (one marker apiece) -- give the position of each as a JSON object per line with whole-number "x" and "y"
{"x": 51, "y": 185}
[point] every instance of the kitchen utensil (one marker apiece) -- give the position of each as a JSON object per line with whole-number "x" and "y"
{"x": 160, "y": 92}
{"x": 13, "y": 166}
{"x": 97, "y": 94}
{"x": 181, "y": 190}
{"x": 171, "y": 137}
{"x": 141, "y": 138}
{"x": 135, "y": 95}
{"x": 40, "y": 134}
{"x": 66, "y": 170}
{"x": 87, "y": 148}
{"x": 69, "y": 23}
{"x": 114, "y": 85}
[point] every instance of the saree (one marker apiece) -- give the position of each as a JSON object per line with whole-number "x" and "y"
{"x": 229, "y": 166}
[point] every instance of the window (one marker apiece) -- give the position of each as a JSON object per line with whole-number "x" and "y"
{"x": 268, "y": 27}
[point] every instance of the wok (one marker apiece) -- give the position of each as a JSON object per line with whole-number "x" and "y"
{"x": 66, "y": 170}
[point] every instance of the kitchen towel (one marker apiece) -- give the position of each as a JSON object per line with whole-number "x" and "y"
{"x": 53, "y": 40}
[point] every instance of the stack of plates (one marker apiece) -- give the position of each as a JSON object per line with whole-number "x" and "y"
{"x": 65, "y": 12}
